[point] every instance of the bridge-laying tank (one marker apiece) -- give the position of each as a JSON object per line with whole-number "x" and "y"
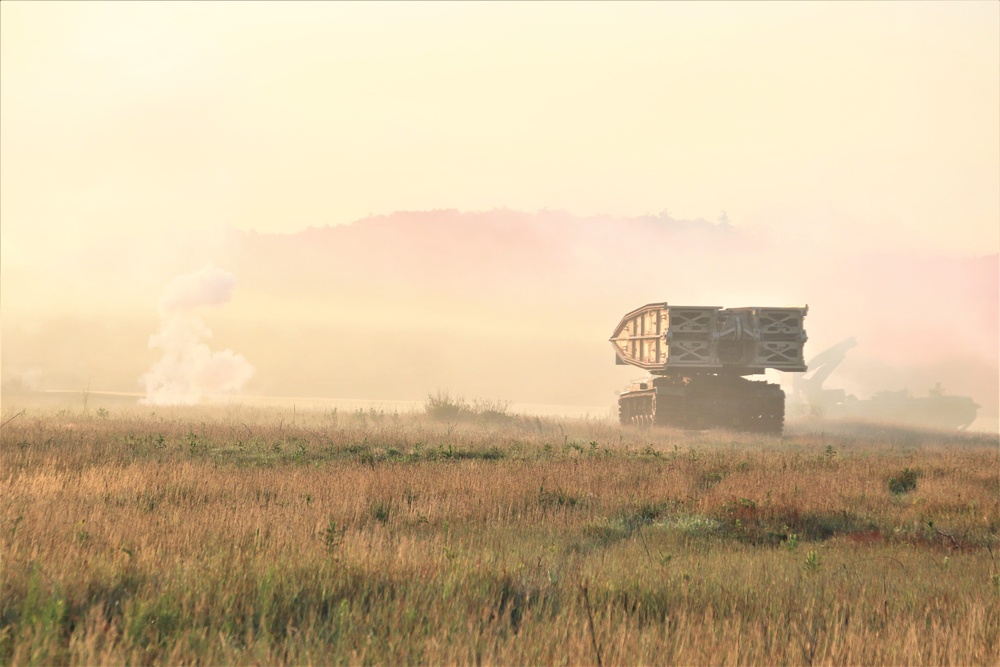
{"x": 698, "y": 356}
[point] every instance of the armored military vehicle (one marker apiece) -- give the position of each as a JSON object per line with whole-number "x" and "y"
{"x": 936, "y": 410}
{"x": 698, "y": 356}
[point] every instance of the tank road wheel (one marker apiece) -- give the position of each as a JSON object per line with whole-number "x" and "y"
{"x": 672, "y": 412}
{"x": 636, "y": 410}
{"x": 626, "y": 411}
{"x": 767, "y": 413}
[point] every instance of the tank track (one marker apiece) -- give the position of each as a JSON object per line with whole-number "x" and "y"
{"x": 703, "y": 402}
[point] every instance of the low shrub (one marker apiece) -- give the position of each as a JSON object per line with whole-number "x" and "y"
{"x": 442, "y": 407}
{"x": 904, "y": 482}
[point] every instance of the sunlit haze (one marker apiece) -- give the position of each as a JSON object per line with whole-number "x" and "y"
{"x": 409, "y": 197}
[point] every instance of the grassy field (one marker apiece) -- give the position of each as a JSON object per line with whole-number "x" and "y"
{"x": 239, "y": 535}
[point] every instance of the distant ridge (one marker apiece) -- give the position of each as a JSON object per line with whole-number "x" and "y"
{"x": 475, "y": 278}
{"x": 447, "y": 248}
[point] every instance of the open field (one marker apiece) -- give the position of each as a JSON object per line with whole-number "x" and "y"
{"x": 253, "y": 535}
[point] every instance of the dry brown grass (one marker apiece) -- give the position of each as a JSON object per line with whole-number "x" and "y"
{"x": 239, "y": 536}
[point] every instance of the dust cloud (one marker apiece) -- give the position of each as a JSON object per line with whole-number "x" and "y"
{"x": 189, "y": 370}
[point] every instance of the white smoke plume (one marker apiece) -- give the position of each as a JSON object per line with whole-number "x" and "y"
{"x": 189, "y": 370}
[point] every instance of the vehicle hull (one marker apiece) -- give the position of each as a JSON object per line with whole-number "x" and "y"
{"x": 704, "y": 402}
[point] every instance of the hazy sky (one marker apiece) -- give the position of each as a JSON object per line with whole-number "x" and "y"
{"x": 859, "y": 121}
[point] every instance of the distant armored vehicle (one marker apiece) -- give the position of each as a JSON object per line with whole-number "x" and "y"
{"x": 698, "y": 355}
{"x": 936, "y": 410}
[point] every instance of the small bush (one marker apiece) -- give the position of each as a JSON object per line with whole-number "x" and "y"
{"x": 557, "y": 498}
{"x": 442, "y": 407}
{"x": 381, "y": 511}
{"x": 902, "y": 483}
{"x": 492, "y": 412}
{"x": 333, "y": 536}
{"x": 710, "y": 478}
{"x": 604, "y": 533}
